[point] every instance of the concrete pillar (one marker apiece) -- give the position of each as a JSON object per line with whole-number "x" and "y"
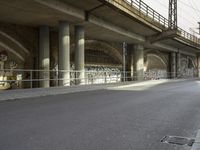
{"x": 79, "y": 54}
{"x": 198, "y": 64}
{"x": 130, "y": 63}
{"x": 173, "y": 65}
{"x": 64, "y": 54}
{"x": 178, "y": 64}
{"x": 139, "y": 62}
{"x": 124, "y": 60}
{"x": 44, "y": 61}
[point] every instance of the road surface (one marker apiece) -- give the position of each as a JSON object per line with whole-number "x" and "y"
{"x": 129, "y": 118}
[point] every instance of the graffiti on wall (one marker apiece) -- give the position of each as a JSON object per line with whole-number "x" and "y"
{"x": 187, "y": 68}
{"x": 155, "y": 74}
{"x": 7, "y": 74}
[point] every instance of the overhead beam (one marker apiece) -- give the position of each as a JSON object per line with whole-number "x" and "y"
{"x": 63, "y": 7}
{"x": 168, "y": 34}
{"x": 100, "y": 22}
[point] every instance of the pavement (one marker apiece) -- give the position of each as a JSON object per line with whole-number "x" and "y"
{"x": 128, "y": 117}
{"x": 39, "y": 92}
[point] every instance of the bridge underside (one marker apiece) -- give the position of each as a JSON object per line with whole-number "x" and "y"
{"x": 26, "y": 43}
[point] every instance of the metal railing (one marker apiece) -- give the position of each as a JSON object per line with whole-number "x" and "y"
{"x": 150, "y": 15}
{"x": 20, "y": 78}
{"x": 146, "y": 11}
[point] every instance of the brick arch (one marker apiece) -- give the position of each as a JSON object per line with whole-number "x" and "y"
{"x": 101, "y": 46}
{"x": 158, "y": 56}
{"x": 13, "y": 46}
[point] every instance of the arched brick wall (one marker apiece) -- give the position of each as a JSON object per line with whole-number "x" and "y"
{"x": 104, "y": 48}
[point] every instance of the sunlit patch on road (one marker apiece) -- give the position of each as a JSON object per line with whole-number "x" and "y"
{"x": 145, "y": 85}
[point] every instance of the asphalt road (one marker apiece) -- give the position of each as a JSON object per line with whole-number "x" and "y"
{"x": 130, "y": 118}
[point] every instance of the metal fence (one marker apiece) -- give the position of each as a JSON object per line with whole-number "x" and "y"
{"x": 19, "y": 78}
{"x": 149, "y": 14}
{"x": 35, "y": 78}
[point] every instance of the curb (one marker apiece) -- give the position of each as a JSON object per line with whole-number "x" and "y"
{"x": 39, "y": 92}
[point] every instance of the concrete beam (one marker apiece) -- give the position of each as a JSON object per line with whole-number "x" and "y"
{"x": 164, "y": 35}
{"x": 63, "y": 7}
{"x": 127, "y": 10}
{"x": 172, "y": 49}
{"x": 188, "y": 53}
{"x": 165, "y": 47}
{"x": 187, "y": 43}
{"x": 102, "y": 23}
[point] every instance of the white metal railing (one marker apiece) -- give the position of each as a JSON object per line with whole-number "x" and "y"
{"x": 20, "y": 78}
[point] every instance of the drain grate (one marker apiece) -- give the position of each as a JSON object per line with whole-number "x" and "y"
{"x": 178, "y": 140}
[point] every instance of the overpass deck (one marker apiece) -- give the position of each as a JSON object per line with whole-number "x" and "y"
{"x": 107, "y": 20}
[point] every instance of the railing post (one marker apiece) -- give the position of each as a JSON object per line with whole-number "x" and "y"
{"x": 147, "y": 11}
{"x": 124, "y": 60}
{"x": 164, "y": 22}
{"x": 31, "y": 79}
{"x": 139, "y": 5}
{"x": 153, "y": 14}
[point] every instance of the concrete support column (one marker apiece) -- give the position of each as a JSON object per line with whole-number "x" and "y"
{"x": 79, "y": 54}
{"x": 173, "y": 65}
{"x": 44, "y": 61}
{"x": 64, "y": 54}
{"x": 178, "y": 64}
{"x": 124, "y": 59}
{"x": 198, "y": 65}
{"x": 131, "y": 66}
{"x": 139, "y": 62}
{"x": 130, "y": 63}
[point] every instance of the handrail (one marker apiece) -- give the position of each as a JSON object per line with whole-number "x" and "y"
{"x": 145, "y": 10}
{"x": 148, "y": 11}
{"x": 30, "y": 78}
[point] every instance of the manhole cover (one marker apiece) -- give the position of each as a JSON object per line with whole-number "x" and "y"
{"x": 177, "y": 140}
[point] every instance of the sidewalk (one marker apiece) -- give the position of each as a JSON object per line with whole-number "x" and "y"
{"x": 38, "y": 92}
